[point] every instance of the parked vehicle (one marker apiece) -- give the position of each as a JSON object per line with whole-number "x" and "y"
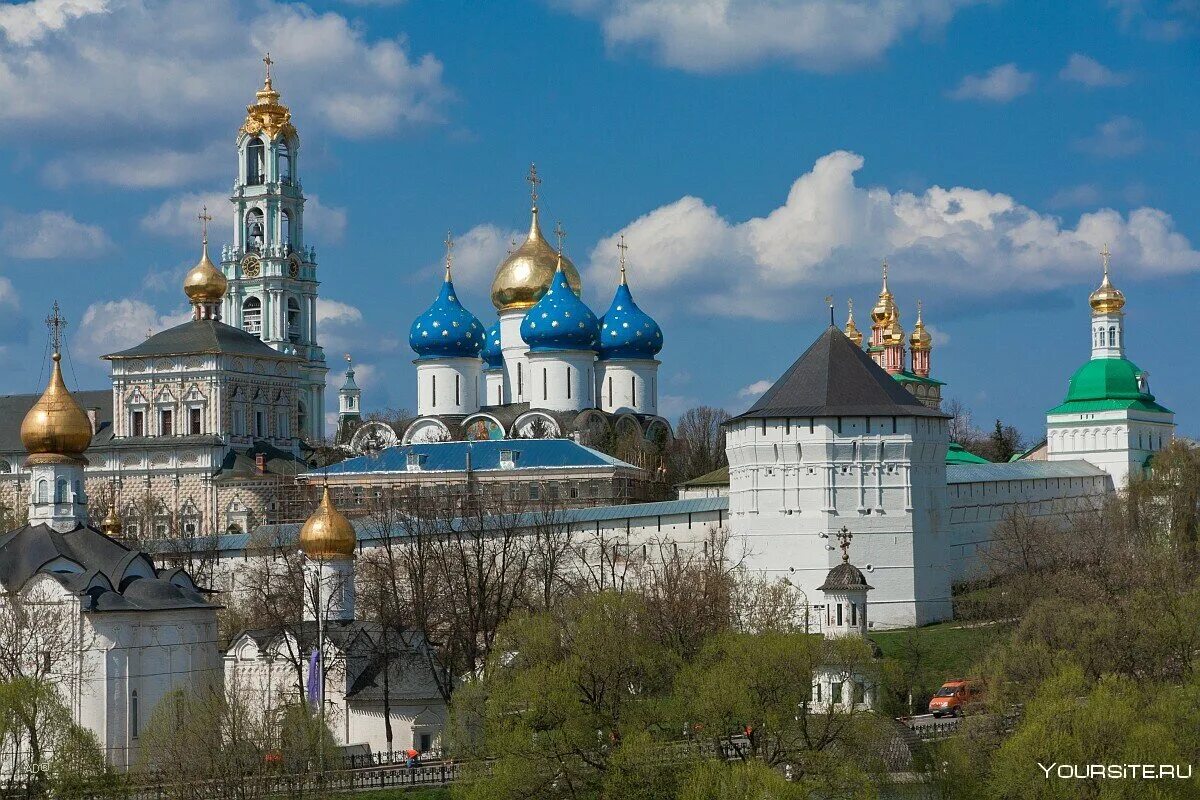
{"x": 955, "y": 697}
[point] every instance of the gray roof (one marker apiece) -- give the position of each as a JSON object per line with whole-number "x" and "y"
{"x": 201, "y": 336}
{"x": 833, "y": 378}
{"x": 1021, "y": 471}
{"x": 844, "y": 576}
{"x": 14, "y": 407}
{"x": 87, "y": 562}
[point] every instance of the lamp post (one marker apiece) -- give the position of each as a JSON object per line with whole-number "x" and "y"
{"x": 804, "y": 594}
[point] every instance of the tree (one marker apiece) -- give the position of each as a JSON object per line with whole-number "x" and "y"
{"x": 564, "y": 695}
{"x": 699, "y": 446}
{"x": 752, "y": 780}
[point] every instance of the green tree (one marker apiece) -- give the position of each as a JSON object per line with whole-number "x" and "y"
{"x": 753, "y": 780}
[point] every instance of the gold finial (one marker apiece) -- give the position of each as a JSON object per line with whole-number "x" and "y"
{"x": 449, "y": 242}
{"x": 534, "y": 180}
{"x": 1107, "y": 299}
{"x": 920, "y": 310}
{"x": 204, "y": 218}
{"x": 885, "y": 272}
{"x": 1104, "y": 255}
{"x": 851, "y": 330}
{"x": 56, "y": 324}
{"x": 268, "y": 61}
{"x": 844, "y": 537}
{"x": 560, "y": 233}
{"x": 622, "y": 247}
{"x": 349, "y": 361}
{"x": 111, "y": 525}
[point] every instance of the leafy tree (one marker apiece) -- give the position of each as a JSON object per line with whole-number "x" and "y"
{"x": 752, "y": 780}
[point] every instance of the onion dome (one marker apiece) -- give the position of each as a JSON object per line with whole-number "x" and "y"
{"x": 885, "y": 307}
{"x": 493, "y": 356}
{"x": 1107, "y": 299}
{"x": 56, "y": 429}
{"x": 560, "y": 320}
{"x": 204, "y": 283}
{"x": 920, "y": 339}
{"x": 625, "y": 330}
{"x": 526, "y": 273}
{"x": 844, "y": 577}
{"x": 852, "y": 332}
{"x": 893, "y": 331}
{"x": 327, "y": 535}
{"x": 112, "y": 523}
{"x": 446, "y": 329}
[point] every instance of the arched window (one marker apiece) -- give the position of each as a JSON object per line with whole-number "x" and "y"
{"x": 254, "y": 162}
{"x": 252, "y": 315}
{"x": 43, "y": 491}
{"x": 283, "y": 161}
{"x": 60, "y": 491}
{"x": 1112, "y": 337}
{"x": 285, "y": 232}
{"x": 293, "y": 320}
{"x": 254, "y": 230}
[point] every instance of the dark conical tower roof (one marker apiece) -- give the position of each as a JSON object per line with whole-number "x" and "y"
{"x": 834, "y": 378}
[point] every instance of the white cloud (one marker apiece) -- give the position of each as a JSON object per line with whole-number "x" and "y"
{"x": 51, "y": 234}
{"x": 1118, "y": 137}
{"x": 141, "y": 169}
{"x": 755, "y": 389}
{"x": 1156, "y": 20}
{"x": 177, "y": 216}
{"x": 1089, "y": 72}
{"x": 830, "y": 233}
{"x": 113, "y": 325}
{"x": 1000, "y": 84}
{"x": 340, "y": 327}
{"x": 719, "y": 35}
{"x": 335, "y": 312}
{"x": 478, "y": 251}
{"x": 161, "y": 69}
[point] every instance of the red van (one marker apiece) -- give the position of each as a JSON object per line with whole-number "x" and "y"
{"x": 955, "y": 696}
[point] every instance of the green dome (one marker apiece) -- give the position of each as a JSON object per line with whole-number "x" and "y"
{"x": 1106, "y": 384}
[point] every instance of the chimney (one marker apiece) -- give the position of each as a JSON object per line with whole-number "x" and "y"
{"x": 260, "y": 463}
{"x": 94, "y": 418}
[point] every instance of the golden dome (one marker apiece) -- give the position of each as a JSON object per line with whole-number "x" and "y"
{"x": 1107, "y": 299}
{"x": 56, "y": 429}
{"x": 921, "y": 338}
{"x": 112, "y": 523}
{"x": 893, "y": 332}
{"x": 205, "y": 283}
{"x": 852, "y": 332}
{"x": 266, "y": 114}
{"x": 885, "y": 308}
{"x": 525, "y": 275}
{"x": 327, "y": 535}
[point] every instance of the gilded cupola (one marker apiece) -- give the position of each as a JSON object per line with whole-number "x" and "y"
{"x": 1107, "y": 299}
{"x": 526, "y": 273}
{"x": 266, "y": 114}
{"x": 921, "y": 338}
{"x": 885, "y": 307}
{"x": 56, "y": 429}
{"x": 204, "y": 284}
{"x": 851, "y": 330}
{"x": 111, "y": 524}
{"x": 327, "y": 535}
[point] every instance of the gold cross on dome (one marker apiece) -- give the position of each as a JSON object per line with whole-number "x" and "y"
{"x": 622, "y": 247}
{"x": 885, "y": 269}
{"x": 560, "y": 233}
{"x": 1104, "y": 255}
{"x": 268, "y": 61}
{"x": 204, "y": 218}
{"x": 449, "y": 242}
{"x": 534, "y": 180}
{"x": 844, "y": 536}
{"x": 56, "y": 324}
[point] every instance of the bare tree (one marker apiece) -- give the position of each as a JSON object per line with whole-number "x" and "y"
{"x": 699, "y": 446}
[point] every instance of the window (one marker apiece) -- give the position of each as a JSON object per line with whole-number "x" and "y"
{"x": 285, "y": 231}
{"x": 426, "y": 743}
{"x": 166, "y": 422}
{"x": 60, "y": 491}
{"x": 255, "y": 228}
{"x": 301, "y": 417}
{"x": 839, "y": 614}
{"x": 133, "y": 714}
{"x": 817, "y": 692}
{"x": 535, "y": 492}
{"x": 194, "y": 421}
{"x": 610, "y": 402}
{"x": 260, "y": 423}
{"x": 433, "y": 389}
{"x": 254, "y": 162}
{"x": 457, "y": 389}
{"x": 860, "y": 693}
{"x": 854, "y": 613}
{"x": 568, "y": 383}
{"x": 545, "y": 384}
{"x": 633, "y": 390}
{"x": 835, "y": 693}
{"x": 1112, "y": 337}
{"x": 293, "y": 320}
{"x": 252, "y": 315}
{"x": 520, "y": 381}
{"x": 283, "y": 162}
{"x": 137, "y": 424}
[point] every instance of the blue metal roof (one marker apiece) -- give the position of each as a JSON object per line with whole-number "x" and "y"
{"x": 484, "y": 455}
{"x": 1020, "y": 471}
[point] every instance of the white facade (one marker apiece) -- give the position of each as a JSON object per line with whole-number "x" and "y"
{"x": 563, "y": 380}
{"x": 1120, "y": 441}
{"x": 628, "y": 385}
{"x": 448, "y": 386}
{"x": 794, "y": 482}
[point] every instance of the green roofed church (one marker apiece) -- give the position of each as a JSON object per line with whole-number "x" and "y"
{"x": 1109, "y": 416}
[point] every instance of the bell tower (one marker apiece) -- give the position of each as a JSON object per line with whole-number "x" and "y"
{"x": 272, "y": 273}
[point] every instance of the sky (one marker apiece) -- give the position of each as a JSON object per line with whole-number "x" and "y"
{"x": 758, "y": 156}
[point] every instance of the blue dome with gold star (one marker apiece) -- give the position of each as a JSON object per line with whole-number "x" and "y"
{"x": 626, "y": 331}
{"x": 446, "y": 329}
{"x": 493, "y": 356}
{"x": 560, "y": 320}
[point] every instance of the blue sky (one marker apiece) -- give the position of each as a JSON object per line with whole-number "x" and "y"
{"x": 758, "y": 154}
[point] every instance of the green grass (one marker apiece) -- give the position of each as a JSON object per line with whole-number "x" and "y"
{"x": 946, "y": 649}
